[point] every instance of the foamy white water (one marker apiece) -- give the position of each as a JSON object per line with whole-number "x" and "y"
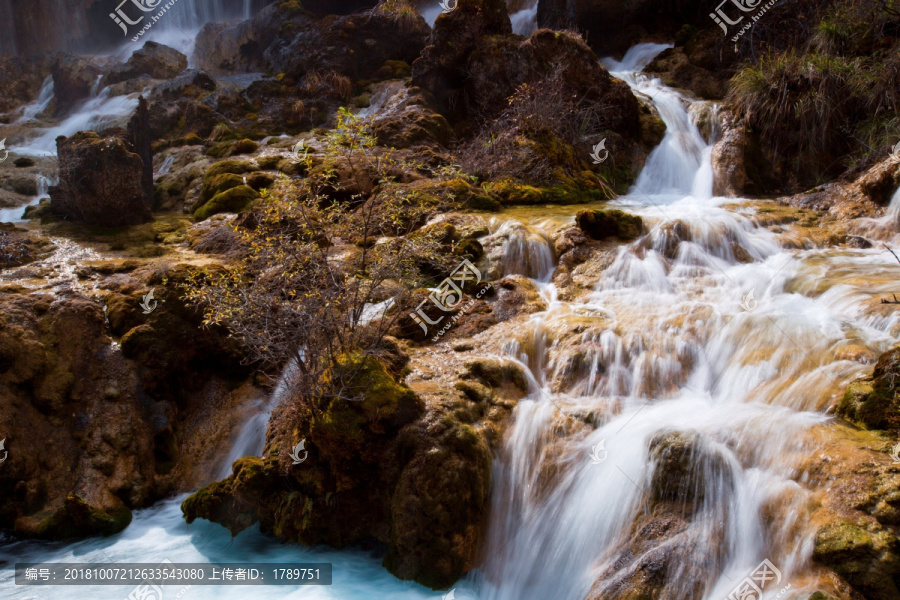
{"x": 671, "y": 341}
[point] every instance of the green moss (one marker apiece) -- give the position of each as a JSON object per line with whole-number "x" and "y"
{"x": 232, "y": 200}
{"x": 260, "y": 180}
{"x": 78, "y": 519}
{"x": 269, "y": 162}
{"x": 245, "y": 146}
{"x": 602, "y": 224}
{"x": 192, "y": 139}
{"x": 218, "y": 184}
{"x": 471, "y": 249}
{"x": 511, "y": 193}
{"x": 229, "y": 166}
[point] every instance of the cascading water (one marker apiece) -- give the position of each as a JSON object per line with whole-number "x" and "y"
{"x": 44, "y": 98}
{"x": 669, "y": 343}
{"x": 524, "y": 20}
{"x": 15, "y": 215}
{"x": 674, "y": 351}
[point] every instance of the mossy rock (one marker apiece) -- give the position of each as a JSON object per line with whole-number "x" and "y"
{"x": 260, "y": 180}
{"x": 471, "y": 249}
{"x": 602, "y": 224}
{"x": 496, "y": 373}
{"x": 218, "y": 184}
{"x": 232, "y": 200}
{"x": 245, "y": 146}
{"x": 192, "y": 139}
{"x": 292, "y": 166}
{"x": 269, "y": 162}
{"x": 77, "y": 519}
{"x": 874, "y": 403}
{"x": 218, "y": 501}
{"x": 236, "y": 166}
{"x": 510, "y": 193}
{"x": 393, "y": 69}
{"x": 866, "y": 559}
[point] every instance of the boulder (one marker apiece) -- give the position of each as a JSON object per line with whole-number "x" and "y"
{"x": 602, "y": 224}
{"x": 874, "y": 403}
{"x": 100, "y": 182}
{"x": 381, "y": 467}
{"x": 74, "y": 77}
{"x": 154, "y": 60}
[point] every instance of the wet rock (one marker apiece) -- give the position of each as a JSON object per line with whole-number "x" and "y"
{"x": 20, "y": 184}
{"x": 405, "y": 120}
{"x": 21, "y": 79}
{"x": 153, "y": 59}
{"x": 190, "y": 83}
{"x": 23, "y": 161}
{"x": 867, "y": 560}
{"x": 120, "y": 433}
{"x": 659, "y": 543}
{"x": 414, "y": 480}
{"x": 881, "y": 181}
{"x": 874, "y": 403}
{"x": 698, "y": 66}
{"x": 73, "y": 79}
{"x": 686, "y": 468}
{"x": 100, "y": 182}
{"x": 602, "y": 224}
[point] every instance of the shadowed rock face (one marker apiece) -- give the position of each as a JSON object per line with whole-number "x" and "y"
{"x": 156, "y": 60}
{"x": 100, "y": 182}
{"x": 409, "y": 469}
{"x": 94, "y": 429}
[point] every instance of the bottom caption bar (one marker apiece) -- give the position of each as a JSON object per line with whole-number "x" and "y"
{"x": 169, "y": 573}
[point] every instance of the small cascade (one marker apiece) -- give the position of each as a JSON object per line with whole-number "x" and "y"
{"x": 674, "y": 167}
{"x": 166, "y": 167}
{"x": 100, "y": 112}
{"x": 44, "y": 98}
{"x": 523, "y": 251}
{"x": 16, "y": 215}
{"x": 251, "y": 439}
{"x": 524, "y": 20}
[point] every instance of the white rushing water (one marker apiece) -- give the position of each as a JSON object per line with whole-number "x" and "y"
{"x": 15, "y": 215}
{"x": 672, "y": 341}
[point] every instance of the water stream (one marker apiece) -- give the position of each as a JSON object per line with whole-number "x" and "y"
{"x": 671, "y": 343}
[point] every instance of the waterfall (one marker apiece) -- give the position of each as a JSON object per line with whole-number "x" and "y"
{"x": 673, "y": 350}
{"x": 30, "y": 111}
{"x": 661, "y": 345}
{"x": 524, "y": 21}
{"x": 14, "y": 215}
